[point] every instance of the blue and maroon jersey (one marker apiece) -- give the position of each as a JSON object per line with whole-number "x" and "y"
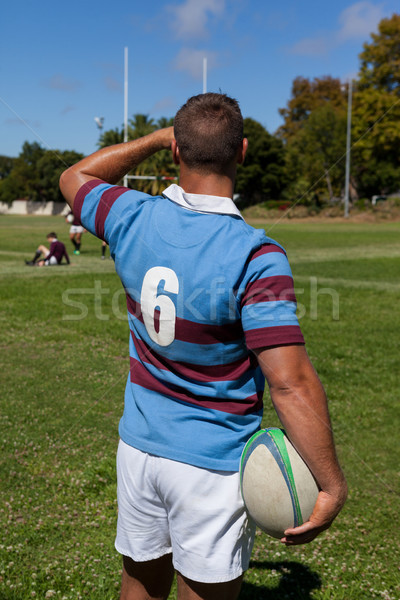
{"x": 203, "y": 289}
{"x": 58, "y": 250}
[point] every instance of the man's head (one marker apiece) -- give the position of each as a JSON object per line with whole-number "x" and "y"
{"x": 51, "y": 236}
{"x": 208, "y": 130}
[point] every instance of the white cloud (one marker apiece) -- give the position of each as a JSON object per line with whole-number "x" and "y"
{"x": 311, "y": 46}
{"x": 356, "y": 22}
{"x": 112, "y": 76}
{"x": 61, "y": 83}
{"x": 164, "y": 104}
{"x": 190, "y": 19}
{"x": 20, "y": 121}
{"x": 359, "y": 20}
{"x": 67, "y": 109}
{"x": 191, "y": 61}
{"x": 112, "y": 84}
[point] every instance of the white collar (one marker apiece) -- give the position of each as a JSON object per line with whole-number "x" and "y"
{"x": 202, "y": 203}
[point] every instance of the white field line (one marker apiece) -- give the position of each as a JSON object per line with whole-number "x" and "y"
{"x": 304, "y": 255}
{"x": 343, "y": 254}
{"x": 92, "y": 266}
{"x": 351, "y": 283}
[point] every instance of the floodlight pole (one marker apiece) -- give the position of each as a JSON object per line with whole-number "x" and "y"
{"x": 204, "y": 75}
{"x": 348, "y": 146}
{"x": 126, "y": 103}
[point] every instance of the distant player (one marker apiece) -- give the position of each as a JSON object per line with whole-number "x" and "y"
{"x": 52, "y": 256}
{"x": 103, "y": 250}
{"x": 212, "y": 315}
{"x": 75, "y": 232}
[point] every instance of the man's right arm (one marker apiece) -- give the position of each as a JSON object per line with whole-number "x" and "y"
{"x": 300, "y": 402}
{"x": 110, "y": 164}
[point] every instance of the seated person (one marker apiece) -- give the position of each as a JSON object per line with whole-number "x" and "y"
{"x": 52, "y": 256}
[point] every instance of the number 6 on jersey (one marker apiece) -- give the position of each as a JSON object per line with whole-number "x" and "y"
{"x": 150, "y": 301}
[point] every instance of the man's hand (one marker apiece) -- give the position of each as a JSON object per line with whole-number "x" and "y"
{"x": 113, "y": 162}
{"x": 166, "y": 135}
{"x": 325, "y": 510}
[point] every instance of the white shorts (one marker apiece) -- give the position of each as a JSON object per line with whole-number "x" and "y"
{"x": 76, "y": 229}
{"x": 166, "y": 506}
{"x": 51, "y": 262}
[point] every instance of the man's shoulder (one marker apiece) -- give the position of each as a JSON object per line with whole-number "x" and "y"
{"x": 97, "y": 191}
{"x": 259, "y": 243}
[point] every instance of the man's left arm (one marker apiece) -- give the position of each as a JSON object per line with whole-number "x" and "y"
{"x": 110, "y": 164}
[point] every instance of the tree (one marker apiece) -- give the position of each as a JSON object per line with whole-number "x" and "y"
{"x": 376, "y": 142}
{"x": 164, "y": 122}
{"x": 22, "y": 182}
{"x": 376, "y": 113}
{"x": 306, "y": 97}
{"x": 6, "y": 165}
{"x": 380, "y": 59}
{"x": 141, "y": 125}
{"x": 35, "y": 174}
{"x": 314, "y": 136}
{"x": 263, "y": 175}
{"x": 49, "y": 168}
{"x": 111, "y": 137}
{"x": 317, "y": 152}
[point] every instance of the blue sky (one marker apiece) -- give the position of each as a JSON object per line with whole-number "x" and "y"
{"x": 62, "y": 64}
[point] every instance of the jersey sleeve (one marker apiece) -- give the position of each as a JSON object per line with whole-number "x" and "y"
{"x": 105, "y": 209}
{"x": 65, "y": 253}
{"x": 52, "y": 249}
{"x": 267, "y": 300}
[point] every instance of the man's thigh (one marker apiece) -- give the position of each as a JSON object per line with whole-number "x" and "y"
{"x": 150, "y": 580}
{"x": 194, "y": 590}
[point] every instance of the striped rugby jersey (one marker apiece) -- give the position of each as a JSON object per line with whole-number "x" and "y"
{"x": 203, "y": 289}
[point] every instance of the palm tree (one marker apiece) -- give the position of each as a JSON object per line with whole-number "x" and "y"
{"x": 165, "y": 122}
{"x": 111, "y": 137}
{"x": 141, "y": 125}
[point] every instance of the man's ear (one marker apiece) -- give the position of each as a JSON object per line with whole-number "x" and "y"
{"x": 242, "y": 151}
{"x": 175, "y": 152}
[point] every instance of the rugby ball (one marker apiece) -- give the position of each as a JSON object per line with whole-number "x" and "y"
{"x": 70, "y": 218}
{"x": 277, "y": 487}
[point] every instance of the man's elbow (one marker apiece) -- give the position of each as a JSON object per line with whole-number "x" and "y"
{"x": 62, "y": 182}
{"x": 67, "y": 185}
{"x": 298, "y": 384}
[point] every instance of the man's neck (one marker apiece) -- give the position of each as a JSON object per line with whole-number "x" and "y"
{"x": 209, "y": 185}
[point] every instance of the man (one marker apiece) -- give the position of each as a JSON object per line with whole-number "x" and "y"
{"x": 211, "y": 312}
{"x": 75, "y": 232}
{"x": 52, "y": 256}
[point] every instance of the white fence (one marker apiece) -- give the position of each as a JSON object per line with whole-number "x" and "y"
{"x": 28, "y": 207}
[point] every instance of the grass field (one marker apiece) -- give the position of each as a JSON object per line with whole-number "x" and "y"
{"x": 64, "y": 362}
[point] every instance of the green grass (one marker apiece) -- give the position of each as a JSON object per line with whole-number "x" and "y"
{"x": 62, "y": 396}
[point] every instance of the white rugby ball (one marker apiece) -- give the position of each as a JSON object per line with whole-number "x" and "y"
{"x": 70, "y": 218}
{"x": 278, "y": 488}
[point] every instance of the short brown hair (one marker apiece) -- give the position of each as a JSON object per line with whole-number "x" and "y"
{"x": 208, "y": 130}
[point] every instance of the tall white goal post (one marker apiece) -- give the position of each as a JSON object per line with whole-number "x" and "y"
{"x": 151, "y": 177}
